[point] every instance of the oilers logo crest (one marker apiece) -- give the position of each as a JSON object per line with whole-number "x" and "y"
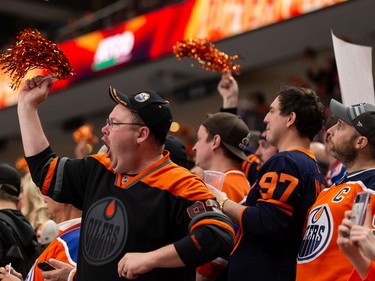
{"x": 105, "y": 232}
{"x": 318, "y": 234}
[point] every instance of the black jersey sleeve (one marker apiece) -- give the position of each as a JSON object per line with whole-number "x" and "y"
{"x": 211, "y": 235}
{"x": 47, "y": 171}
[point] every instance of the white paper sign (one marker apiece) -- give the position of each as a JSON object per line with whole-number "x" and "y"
{"x": 354, "y": 66}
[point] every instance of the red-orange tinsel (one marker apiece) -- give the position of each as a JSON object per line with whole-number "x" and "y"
{"x": 33, "y": 51}
{"x": 209, "y": 57}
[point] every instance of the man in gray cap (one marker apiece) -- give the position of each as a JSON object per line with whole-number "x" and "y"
{"x": 352, "y": 141}
{"x": 143, "y": 215}
{"x": 18, "y": 243}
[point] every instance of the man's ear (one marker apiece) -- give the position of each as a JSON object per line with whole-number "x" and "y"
{"x": 216, "y": 142}
{"x": 361, "y": 142}
{"x": 291, "y": 119}
{"x": 143, "y": 134}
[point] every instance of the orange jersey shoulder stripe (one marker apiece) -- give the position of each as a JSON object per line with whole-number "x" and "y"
{"x": 168, "y": 176}
{"x": 103, "y": 160}
{"x": 49, "y": 176}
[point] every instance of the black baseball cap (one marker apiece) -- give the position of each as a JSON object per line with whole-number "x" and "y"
{"x": 232, "y": 129}
{"x": 361, "y": 116}
{"x": 177, "y": 150}
{"x": 10, "y": 180}
{"x": 151, "y": 108}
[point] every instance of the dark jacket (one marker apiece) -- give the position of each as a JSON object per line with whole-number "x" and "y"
{"x": 18, "y": 243}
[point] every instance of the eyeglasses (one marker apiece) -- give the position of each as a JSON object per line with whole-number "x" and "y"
{"x": 111, "y": 124}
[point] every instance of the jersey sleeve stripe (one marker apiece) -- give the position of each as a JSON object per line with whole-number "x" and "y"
{"x": 212, "y": 222}
{"x": 48, "y": 179}
{"x": 284, "y": 207}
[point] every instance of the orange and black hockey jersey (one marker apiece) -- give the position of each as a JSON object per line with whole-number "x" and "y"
{"x": 271, "y": 224}
{"x": 164, "y": 204}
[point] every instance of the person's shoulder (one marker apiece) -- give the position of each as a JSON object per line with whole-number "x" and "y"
{"x": 18, "y": 222}
{"x": 252, "y": 158}
{"x": 173, "y": 175}
{"x": 296, "y": 156}
{"x": 15, "y": 216}
{"x": 19, "y": 237}
{"x": 235, "y": 177}
{"x": 291, "y": 160}
{"x": 281, "y": 157}
{"x": 365, "y": 177}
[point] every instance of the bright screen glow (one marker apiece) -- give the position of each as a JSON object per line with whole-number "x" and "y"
{"x": 151, "y": 36}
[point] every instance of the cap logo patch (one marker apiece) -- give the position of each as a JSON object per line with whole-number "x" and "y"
{"x": 142, "y": 97}
{"x": 244, "y": 142}
{"x": 359, "y": 124}
{"x": 356, "y": 110}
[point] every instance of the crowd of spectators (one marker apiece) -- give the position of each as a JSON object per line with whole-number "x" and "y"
{"x": 139, "y": 208}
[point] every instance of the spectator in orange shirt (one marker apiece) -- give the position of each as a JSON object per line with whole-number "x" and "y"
{"x": 221, "y": 140}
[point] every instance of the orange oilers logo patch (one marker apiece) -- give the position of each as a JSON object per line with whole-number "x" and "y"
{"x": 110, "y": 210}
{"x": 318, "y": 234}
{"x": 318, "y": 214}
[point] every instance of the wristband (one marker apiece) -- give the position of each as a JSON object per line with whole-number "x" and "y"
{"x": 221, "y": 203}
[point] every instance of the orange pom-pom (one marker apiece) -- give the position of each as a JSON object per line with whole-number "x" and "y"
{"x": 209, "y": 57}
{"x": 21, "y": 164}
{"x": 85, "y": 133}
{"x": 33, "y": 51}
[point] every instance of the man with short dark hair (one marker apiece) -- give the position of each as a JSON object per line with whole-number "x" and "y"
{"x": 143, "y": 215}
{"x": 271, "y": 222}
{"x": 18, "y": 243}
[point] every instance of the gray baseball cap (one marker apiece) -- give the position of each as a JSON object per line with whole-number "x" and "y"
{"x": 361, "y": 116}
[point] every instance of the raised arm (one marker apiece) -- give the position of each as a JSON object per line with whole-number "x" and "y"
{"x": 33, "y": 93}
{"x": 228, "y": 89}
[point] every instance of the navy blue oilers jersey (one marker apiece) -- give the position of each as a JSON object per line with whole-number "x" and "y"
{"x": 121, "y": 213}
{"x": 271, "y": 225}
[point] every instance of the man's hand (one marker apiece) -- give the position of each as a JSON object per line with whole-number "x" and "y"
{"x": 363, "y": 236}
{"x": 228, "y": 89}
{"x": 343, "y": 238}
{"x": 61, "y": 273}
{"x": 133, "y": 264}
{"x": 35, "y": 90}
{"x": 8, "y": 273}
{"x": 220, "y": 196}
